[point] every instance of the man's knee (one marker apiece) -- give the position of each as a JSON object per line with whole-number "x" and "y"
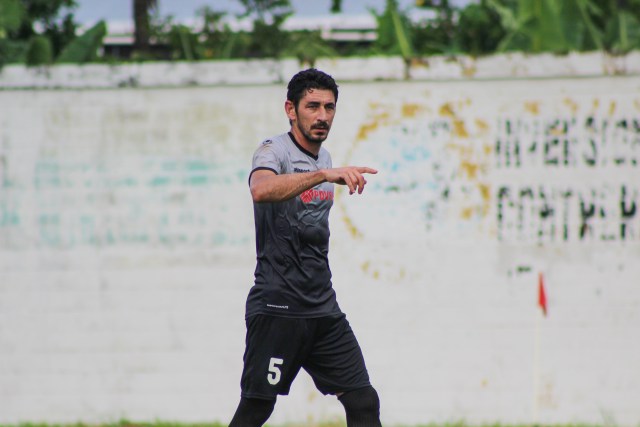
{"x": 362, "y": 407}
{"x": 252, "y": 412}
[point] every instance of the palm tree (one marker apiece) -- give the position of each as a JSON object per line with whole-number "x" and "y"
{"x": 141, "y": 11}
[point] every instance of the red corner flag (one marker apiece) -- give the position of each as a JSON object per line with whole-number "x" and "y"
{"x": 542, "y": 296}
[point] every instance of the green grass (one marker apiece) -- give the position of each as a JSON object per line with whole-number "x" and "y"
{"x": 126, "y": 423}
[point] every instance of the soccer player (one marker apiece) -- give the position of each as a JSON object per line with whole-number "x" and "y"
{"x": 293, "y": 319}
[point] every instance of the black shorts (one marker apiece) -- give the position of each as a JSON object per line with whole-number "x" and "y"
{"x": 277, "y": 347}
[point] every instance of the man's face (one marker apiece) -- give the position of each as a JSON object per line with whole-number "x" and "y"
{"x": 314, "y": 115}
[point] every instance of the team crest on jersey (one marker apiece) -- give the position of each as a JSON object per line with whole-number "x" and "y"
{"x": 312, "y": 194}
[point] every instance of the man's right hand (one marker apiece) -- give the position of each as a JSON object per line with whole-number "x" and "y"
{"x": 351, "y": 176}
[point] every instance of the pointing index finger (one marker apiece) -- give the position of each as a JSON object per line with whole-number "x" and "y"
{"x": 365, "y": 169}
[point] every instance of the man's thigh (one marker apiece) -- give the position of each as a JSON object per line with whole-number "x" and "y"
{"x": 335, "y": 361}
{"x": 276, "y": 348}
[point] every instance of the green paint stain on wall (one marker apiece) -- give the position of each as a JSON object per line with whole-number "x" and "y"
{"x": 219, "y": 238}
{"x": 126, "y": 182}
{"x": 197, "y": 180}
{"x": 170, "y": 166}
{"x": 160, "y": 181}
{"x": 9, "y": 219}
{"x": 198, "y": 165}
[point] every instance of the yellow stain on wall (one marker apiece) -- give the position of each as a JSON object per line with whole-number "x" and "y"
{"x": 485, "y": 191}
{"x": 371, "y": 126}
{"x": 636, "y": 104}
{"x": 573, "y": 106}
{"x": 469, "y": 70}
{"x": 411, "y": 110}
{"x": 557, "y": 131}
{"x": 465, "y": 151}
{"x": 353, "y": 230}
{"x": 446, "y": 110}
{"x": 459, "y": 129}
{"x": 365, "y": 266}
{"x": 471, "y": 169}
{"x": 366, "y": 129}
{"x": 612, "y": 108}
{"x": 532, "y": 107}
{"x": 466, "y": 213}
{"x": 483, "y": 127}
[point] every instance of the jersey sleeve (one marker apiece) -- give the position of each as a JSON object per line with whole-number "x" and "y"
{"x": 269, "y": 155}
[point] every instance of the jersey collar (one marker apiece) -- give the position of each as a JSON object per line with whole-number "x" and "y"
{"x": 301, "y": 148}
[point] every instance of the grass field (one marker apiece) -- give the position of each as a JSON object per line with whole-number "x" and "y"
{"x": 125, "y": 423}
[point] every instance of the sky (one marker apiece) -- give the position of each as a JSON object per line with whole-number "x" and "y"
{"x": 91, "y": 11}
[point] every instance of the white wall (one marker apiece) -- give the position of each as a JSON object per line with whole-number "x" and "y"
{"x": 126, "y": 240}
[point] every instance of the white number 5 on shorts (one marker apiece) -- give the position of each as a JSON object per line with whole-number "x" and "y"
{"x": 274, "y": 372}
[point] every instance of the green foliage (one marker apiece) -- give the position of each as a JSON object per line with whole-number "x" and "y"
{"x": 19, "y": 39}
{"x": 570, "y": 25}
{"x": 39, "y": 52}
{"x": 622, "y": 33}
{"x": 56, "y": 19}
{"x": 142, "y": 27}
{"x": 620, "y": 25}
{"x": 44, "y": 31}
{"x": 11, "y": 13}
{"x": 184, "y": 43}
{"x": 336, "y": 6}
{"x": 308, "y": 46}
{"x": 436, "y": 35}
{"x": 532, "y": 25}
{"x": 478, "y": 31}
{"x": 216, "y": 40}
{"x": 394, "y": 31}
{"x": 12, "y": 51}
{"x": 84, "y": 48}
{"x": 266, "y": 10}
{"x": 269, "y": 40}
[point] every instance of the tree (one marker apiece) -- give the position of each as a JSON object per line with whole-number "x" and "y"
{"x": 549, "y": 26}
{"x": 478, "y": 31}
{"x": 216, "y": 38}
{"x": 266, "y": 10}
{"x": 619, "y": 23}
{"x": 394, "y": 31}
{"x": 142, "y": 28}
{"x": 11, "y": 12}
{"x": 437, "y": 35}
{"x": 267, "y": 38}
{"x": 23, "y": 23}
{"x": 308, "y": 46}
{"x": 84, "y": 48}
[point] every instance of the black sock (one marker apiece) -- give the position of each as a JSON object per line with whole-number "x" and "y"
{"x": 362, "y": 407}
{"x": 252, "y": 412}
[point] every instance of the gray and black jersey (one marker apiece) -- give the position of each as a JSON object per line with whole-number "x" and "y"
{"x": 292, "y": 276}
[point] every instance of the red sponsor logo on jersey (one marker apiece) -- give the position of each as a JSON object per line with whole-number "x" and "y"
{"x": 313, "y": 194}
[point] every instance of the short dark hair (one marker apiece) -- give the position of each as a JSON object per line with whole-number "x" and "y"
{"x": 309, "y": 79}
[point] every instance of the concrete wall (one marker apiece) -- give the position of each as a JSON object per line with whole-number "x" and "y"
{"x": 126, "y": 238}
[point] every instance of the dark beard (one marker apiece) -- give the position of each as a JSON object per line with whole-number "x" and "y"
{"x": 314, "y": 139}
